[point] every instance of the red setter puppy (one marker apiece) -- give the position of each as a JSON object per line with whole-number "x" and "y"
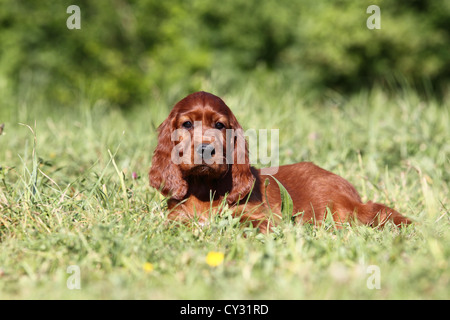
{"x": 202, "y": 159}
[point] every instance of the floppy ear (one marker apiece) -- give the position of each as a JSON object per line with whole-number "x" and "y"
{"x": 164, "y": 174}
{"x": 242, "y": 177}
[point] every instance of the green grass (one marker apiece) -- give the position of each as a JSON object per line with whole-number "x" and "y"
{"x": 67, "y": 197}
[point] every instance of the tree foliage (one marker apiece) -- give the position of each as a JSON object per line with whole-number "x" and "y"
{"x": 127, "y": 49}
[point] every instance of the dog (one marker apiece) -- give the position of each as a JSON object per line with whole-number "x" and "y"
{"x": 201, "y": 163}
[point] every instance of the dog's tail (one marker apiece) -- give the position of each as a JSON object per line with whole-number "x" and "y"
{"x": 376, "y": 214}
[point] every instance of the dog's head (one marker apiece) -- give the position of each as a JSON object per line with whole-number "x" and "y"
{"x": 200, "y": 137}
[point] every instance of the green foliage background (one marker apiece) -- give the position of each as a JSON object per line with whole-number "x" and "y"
{"x": 126, "y": 51}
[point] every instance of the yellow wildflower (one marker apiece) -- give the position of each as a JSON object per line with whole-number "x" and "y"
{"x": 214, "y": 258}
{"x": 148, "y": 267}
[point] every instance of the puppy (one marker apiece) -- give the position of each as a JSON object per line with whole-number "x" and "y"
{"x": 201, "y": 162}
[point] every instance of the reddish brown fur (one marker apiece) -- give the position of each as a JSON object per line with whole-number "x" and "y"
{"x": 198, "y": 191}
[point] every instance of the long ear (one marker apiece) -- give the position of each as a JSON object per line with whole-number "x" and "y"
{"x": 165, "y": 175}
{"x": 242, "y": 177}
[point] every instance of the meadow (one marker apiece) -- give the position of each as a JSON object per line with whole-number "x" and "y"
{"x": 78, "y": 219}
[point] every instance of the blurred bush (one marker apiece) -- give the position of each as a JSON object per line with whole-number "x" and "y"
{"x": 125, "y": 50}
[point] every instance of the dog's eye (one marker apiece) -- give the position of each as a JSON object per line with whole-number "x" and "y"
{"x": 219, "y": 125}
{"x": 187, "y": 124}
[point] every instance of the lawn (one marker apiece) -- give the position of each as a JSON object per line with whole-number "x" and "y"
{"x": 78, "y": 219}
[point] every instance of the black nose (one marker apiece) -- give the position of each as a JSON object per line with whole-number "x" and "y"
{"x": 206, "y": 150}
